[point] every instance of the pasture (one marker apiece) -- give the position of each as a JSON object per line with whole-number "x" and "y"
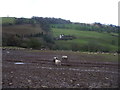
{"x": 83, "y": 38}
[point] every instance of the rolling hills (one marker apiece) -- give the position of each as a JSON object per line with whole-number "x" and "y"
{"x": 88, "y": 37}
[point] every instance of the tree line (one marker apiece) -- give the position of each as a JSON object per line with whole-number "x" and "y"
{"x": 98, "y": 27}
{"x": 46, "y": 22}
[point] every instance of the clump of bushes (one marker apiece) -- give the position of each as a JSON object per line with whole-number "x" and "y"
{"x": 31, "y": 43}
{"x": 34, "y": 41}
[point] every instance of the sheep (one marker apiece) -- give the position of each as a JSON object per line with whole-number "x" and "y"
{"x": 54, "y": 58}
{"x": 115, "y": 54}
{"x": 64, "y": 57}
{"x": 57, "y": 62}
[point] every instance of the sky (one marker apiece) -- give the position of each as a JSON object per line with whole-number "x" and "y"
{"x": 83, "y": 11}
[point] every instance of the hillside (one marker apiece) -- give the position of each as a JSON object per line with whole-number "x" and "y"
{"x": 86, "y": 40}
{"x": 22, "y": 32}
{"x": 86, "y": 54}
{"x": 22, "y": 29}
{"x": 38, "y": 32}
{"x": 8, "y": 20}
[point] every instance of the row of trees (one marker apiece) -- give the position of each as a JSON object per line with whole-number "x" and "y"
{"x": 36, "y": 41}
{"x": 35, "y": 20}
{"x": 89, "y": 27}
{"x": 45, "y": 24}
{"x": 46, "y": 41}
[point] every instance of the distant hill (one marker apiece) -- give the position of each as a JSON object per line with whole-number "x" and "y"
{"x": 22, "y": 29}
{"x": 86, "y": 41}
{"x": 39, "y": 32}
{"x": 24, "y": 32}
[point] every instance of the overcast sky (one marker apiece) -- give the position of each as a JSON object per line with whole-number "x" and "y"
{"x": 84, "y": 11}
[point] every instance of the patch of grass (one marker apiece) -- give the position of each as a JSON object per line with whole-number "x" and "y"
{"x": 105, "y": 40}
{"x": 8, "y": 20}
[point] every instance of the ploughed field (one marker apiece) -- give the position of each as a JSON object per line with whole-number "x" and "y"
{"x": 35, "y": 69}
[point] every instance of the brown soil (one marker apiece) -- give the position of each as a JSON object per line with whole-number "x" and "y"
{"x": 39, "y": 71}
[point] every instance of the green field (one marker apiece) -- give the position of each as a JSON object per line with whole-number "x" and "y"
{"x": 83, "y": 38}
{"x": 8, "y": 20}
{"x": 88, "y": 37}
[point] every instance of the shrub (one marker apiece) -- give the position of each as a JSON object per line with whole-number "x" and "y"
{"x": 11, "y": 40}
{"x": 34, "y": 43}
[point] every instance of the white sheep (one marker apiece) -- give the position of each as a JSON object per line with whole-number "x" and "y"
{"x": 64, "y": 57}
{"x": 57, "y": 62}
{"x": 115, "y": 54}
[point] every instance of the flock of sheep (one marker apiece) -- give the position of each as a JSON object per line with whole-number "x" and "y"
{"x": 58, "y": 62}
{"x": 55, "y": 59}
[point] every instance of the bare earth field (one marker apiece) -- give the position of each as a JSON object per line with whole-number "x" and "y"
{"x": 37, "y": 70}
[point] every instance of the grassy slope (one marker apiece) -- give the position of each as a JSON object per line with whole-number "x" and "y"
{"x": 6, "y": 20}
{"x": 19, "y": 29}
{"x": 70, "y": 26}
{"x": 83, "y": 37}
{"x": 22, "y": 29}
